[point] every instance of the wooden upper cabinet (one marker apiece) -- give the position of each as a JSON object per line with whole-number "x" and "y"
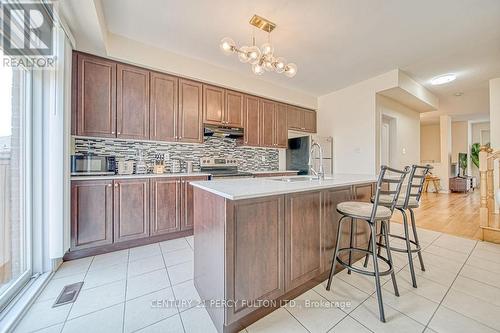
{"x": 213, "y": 105}
{"x": 132, "y": 102}
{"x": 165, "y": 205}
{"x": 309, "y": 121}
{"x": 252, "y": 121}
{"x": 294, "y": 118}
{"x": 302, "y": 238}
{"x": 234, "y": 109}
{"x": 131, "y": 209}
{"x": 96, "y": 96}
{"x": 267, "y": 110}
{"x": 280, "y": 126}
{"x": 91, "y": 213}
{"x": 301, "y": 119}
{"x": 190, "y": 111}
{"x": 163, "y": 109}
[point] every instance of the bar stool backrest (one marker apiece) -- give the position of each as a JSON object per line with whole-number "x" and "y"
{"x": 415, "y": 183}
{"x": 388, "y": 184}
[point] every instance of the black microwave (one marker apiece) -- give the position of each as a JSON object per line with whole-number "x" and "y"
{"x": 92, "y": 165}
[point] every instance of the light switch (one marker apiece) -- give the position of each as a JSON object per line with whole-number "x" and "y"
{"x": 404, "y": 151}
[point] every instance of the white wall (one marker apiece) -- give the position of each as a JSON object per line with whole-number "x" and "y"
{"x": 430, "y": 150}
{"x": 406, "y": 141}
{"x": 130, "y": 51}
{"x": 495, "y": 113}
{"x": 459, "y": 139}
{"x": 349, "y": 116}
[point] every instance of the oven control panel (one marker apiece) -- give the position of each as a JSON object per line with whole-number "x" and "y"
{"x": 217, "y": 162}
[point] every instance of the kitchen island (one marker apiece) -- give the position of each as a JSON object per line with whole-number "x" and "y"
{"x": 261, "y": 242}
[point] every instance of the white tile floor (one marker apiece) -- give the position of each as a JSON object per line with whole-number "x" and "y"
{"x": 458, "y": 292}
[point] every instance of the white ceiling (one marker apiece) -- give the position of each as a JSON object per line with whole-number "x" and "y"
{"x": 334, "y": 42}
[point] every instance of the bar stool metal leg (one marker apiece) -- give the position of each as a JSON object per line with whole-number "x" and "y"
{"x": 414, "y": 227}
{"x": 351, "y": 242}
{"x": 335, "y": 254}
{"x": 367, "y": 256}
{"x": 385, "y": 232}
{"x": 408, "y": 248}
{"x": 377, "y": 276}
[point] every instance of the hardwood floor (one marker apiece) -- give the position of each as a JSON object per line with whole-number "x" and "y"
{"x": 454, "y": 213}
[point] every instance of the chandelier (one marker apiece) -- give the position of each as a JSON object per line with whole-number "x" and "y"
{"x": 262, "y": 59}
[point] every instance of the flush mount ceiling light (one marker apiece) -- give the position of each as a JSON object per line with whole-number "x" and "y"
{"x": 442, "y": 79}
{"x": 262, "y": 59}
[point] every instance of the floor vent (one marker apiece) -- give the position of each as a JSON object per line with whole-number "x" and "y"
{"x": 68, "y": 294}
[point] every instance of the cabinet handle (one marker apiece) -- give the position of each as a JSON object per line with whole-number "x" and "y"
{"x": 116, "y": 185}
{"x": 118, "y": 133}
{"x": 180, "y": 137}
{"x": 109, "y": 185}
{"x": 112, "y": 132}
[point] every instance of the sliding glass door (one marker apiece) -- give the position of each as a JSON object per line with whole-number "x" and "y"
{"x": 15, "y": 181}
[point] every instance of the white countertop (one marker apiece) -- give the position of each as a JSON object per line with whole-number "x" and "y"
{"x": 273, "y": 171}
{"x": 135, "y": 176}
{"x": 247, "y": 188}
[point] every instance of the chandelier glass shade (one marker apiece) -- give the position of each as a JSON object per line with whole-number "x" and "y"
{"x": 262, "y": 59}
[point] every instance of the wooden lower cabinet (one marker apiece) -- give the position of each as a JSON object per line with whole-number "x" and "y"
{"x": 329, "y": 223}
{"x": 187, "y": 218}
{"x": 302, "y": 238}
{"x": 91, "y": 213}
{"x": 165, "y": 205}
{"x": 131, "y": 209}
{"x": 255, "y": 265}
{"x": 268, "y": 248}
{"x": 364, "y": 193}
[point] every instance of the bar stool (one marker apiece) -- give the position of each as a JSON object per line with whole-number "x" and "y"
{"x": 371, "y": 213}
{"x": 408, "y": 201}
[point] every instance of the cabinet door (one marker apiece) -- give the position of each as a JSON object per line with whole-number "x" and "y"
{"x": 267, "y": 123}
{"x": 91, "y": 213}
{"x": 187, "y": 214}
{"x": 234, "y": 109}
{"x": 302, "y": 238}
{"x": 295, "y": 118}
{"x": 132, "y": 103}
{"x": 280, "y": 128}
{"x": 96, "y": 91}
{"x": 163, "y": 107}
{"x": 213, "y": 105}
{"x": 330, "y": 221}
{"x": 309, "y": 121}
{"x": 131, "y": 209}
{"x": 190, "y": 111}
{"x": 165, "y": 205}
{"x": 254, "y": 265}
{"x": 252, "y": 121}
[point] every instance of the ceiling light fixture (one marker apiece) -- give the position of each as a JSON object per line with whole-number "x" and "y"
{"x": 442, "y": 79}
{"x": 262, "y": 59}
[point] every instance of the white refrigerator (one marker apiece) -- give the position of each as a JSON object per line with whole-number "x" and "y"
{"x": 297, "y": 154}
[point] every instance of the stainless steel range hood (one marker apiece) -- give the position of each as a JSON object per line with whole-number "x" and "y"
{"x": 222, "y": 131}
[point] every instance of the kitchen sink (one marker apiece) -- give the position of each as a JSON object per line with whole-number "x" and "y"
{"x": 298, "y": 179}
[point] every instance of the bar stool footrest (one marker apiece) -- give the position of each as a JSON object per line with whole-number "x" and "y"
{"x": 363, "y": 271}
{"x": 417, "y": 248}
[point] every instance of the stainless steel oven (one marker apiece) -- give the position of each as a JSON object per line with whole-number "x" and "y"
{"x": 222, "y": 168}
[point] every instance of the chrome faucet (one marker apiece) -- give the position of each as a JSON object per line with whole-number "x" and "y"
{"x": 320, "y": 174}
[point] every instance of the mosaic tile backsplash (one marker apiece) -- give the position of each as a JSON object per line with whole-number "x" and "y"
{"x": 249, "y": 159}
